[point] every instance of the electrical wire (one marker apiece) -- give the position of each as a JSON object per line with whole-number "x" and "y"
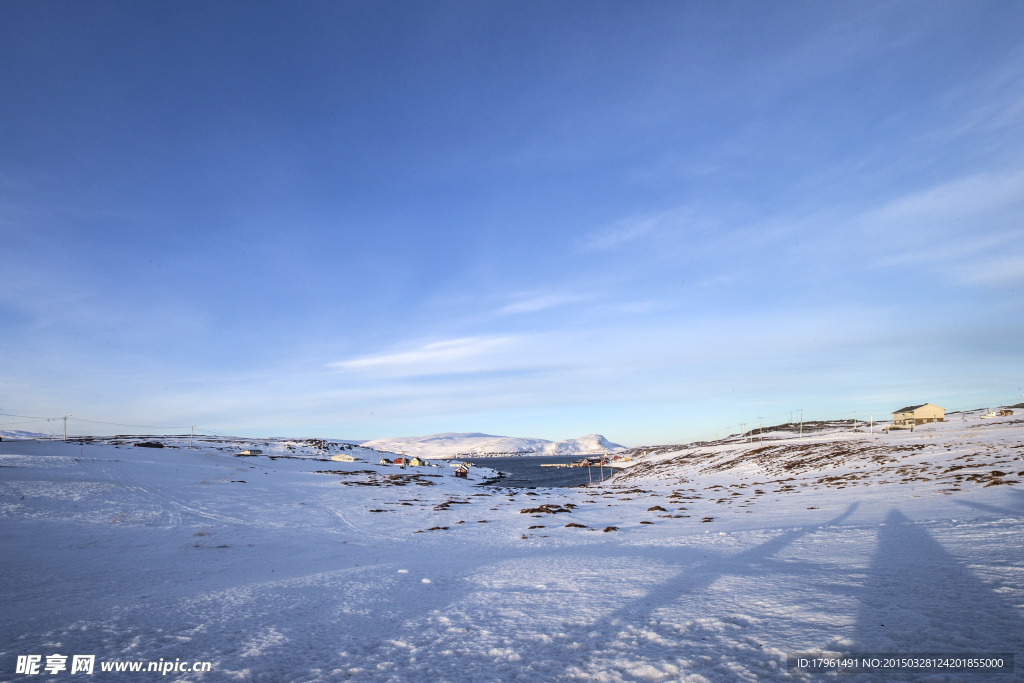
{"x": 30, "y": 417}
{"x": 120, "y": 424}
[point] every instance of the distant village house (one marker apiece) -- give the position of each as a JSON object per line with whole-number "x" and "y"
{"x": 343, "y": 457}
{"x": 918, "y": 415}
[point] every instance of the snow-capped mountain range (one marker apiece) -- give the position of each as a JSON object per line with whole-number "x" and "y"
{"x": 452, "y": 445}
{"x": 21, "y": 434}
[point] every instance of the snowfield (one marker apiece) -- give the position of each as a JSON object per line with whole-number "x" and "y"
{"x": 720, "y": 560}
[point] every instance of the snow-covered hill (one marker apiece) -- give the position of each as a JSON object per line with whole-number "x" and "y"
{"x": 18, "y": 434}
{"x": 274, "y": 447}
{"x": 966, "y": 451}
{"x": 452, "y": 445}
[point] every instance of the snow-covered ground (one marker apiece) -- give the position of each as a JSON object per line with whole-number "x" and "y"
{"x": 454, "y": 445}
{"x": 722, "y": 559}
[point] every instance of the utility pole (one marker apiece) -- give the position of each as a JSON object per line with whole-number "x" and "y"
{"x": 855, "y": 419}
{"x": 743, "y": 426}
{"x": 190, "y": 437}
{"x": 66, "y": 426}
{"x": 801, "y": 422}
{"x": 872, "y": 428}
{"x": 759, "y": 434}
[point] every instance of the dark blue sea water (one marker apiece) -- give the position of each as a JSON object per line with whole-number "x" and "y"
{"x": 526, "y": 471}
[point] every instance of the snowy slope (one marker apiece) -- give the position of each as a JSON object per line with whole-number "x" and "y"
{"x": 20, "y": 434}
{"x": 947, "y": 457}
{"x": 451, "y": 445}
{"x": 275, "y": 447}
{"x": 287, "y": 568}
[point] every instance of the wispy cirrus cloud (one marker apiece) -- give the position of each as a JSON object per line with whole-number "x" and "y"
{"x": 1003, "y": 271}
{"x": 969, "y": 226}
{"x": 620, "y": 232}
{"x": 953, "y": 200}
{"x": 453, "y": 355}
{"x": 539, "y": 303}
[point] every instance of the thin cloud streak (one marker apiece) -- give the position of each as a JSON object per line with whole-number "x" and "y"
{"x": 540, "y": 303}
{"x": 452, "y": 355}
{"x": 950, "y": 200}
{"x": 1004, "y": 271}
{"x": 626, "y": 230}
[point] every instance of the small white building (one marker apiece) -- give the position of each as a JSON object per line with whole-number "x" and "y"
{"x": 343, "y": 457}
{"x": 918, "y": 415}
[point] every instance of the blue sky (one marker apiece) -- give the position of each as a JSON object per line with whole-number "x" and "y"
{"x": 650, "y": 220}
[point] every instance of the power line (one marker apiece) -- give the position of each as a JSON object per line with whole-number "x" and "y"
{"x": 38, "y": 418}
{"x": 119, "y": 424}
{"x": 30, "y": 417}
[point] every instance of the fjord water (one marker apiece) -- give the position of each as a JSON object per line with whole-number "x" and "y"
{"x": 526, "y": 471}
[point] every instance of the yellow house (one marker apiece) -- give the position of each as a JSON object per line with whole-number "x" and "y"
{"x": 343, "y": 457}
{"x": 918, "y": 415}
{"x": 416, "y": 462}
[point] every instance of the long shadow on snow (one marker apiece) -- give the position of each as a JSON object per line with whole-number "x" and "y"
{"x": 920, "y": 598}
{"x": 997, "y": 509}
{"x": 754, "y": 562}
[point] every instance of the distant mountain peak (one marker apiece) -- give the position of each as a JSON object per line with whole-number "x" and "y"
{"x": 455, "y": 444}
